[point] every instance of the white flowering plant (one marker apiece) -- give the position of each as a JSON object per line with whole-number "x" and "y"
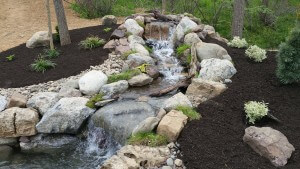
{"x": 237, "y": 42}
{"x": 255, "y": 110}
{"x": 256, "y": 53}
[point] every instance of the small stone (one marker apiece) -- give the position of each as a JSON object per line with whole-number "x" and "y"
{"x": 171, "y": 145}
{"x": 170, "y": 162}
{"x": 166, "y": 167}
{"x": 17, "y": 100}
{"x": 162, "y": 112}
{"x": 178, "y": 162}
{"x": 24, "y": 139}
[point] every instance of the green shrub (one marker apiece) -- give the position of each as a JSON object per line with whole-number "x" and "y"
{"x": 107, "y": 30}
{"x": 148, "y": 139}
{"x": 255, "y": 110}
{"x": 91, "y": 103}
{"x": 91, "y": 42}
{"x": 123, "y": 76}
{"x": 238, "y": 43}
{"x": 41, "y": 64}
{"x": 150, "y": 50}
{"x": 51, "y": 53}
{"x": 125, "y": 55}
{"x": 189, "y": 111}
{"x": 92, "y": 8}
{"x": 56, "y": 37}
{"x": 180, "y": 49}
{"x": 256, "y": 53}
{"x": 10, "y": 58}
{"x": 288, "y": 59}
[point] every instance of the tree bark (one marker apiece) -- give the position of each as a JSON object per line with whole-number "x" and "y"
{"x": 62, "y": 23}
{"x": 49, "y": 25}
{"x": 238, "y": 18}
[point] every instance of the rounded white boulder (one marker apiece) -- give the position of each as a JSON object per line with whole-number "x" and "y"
{"x": 91, "y": 82}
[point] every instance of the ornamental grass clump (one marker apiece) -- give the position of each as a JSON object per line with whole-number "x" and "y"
{"x": 256, "y": 53}
{"x": 255, "y": 111}
{"x": 123, "y": 76}
{"x": 41, "y": 64}
{"x": 148, "y": 139}
{"x": 96, "y": 98}
{"x": 190, "y": 112}
{"x": 51, "y": 53}
{"x": 91, "y": 42}
{"x": 238, "y": 43}
{"x": 182, "y": 48}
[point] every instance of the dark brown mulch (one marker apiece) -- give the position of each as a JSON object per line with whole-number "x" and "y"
{"x": 215, "y": 142}
{"x": 71, "y": 61}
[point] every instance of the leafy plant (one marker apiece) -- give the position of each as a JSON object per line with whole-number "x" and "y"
{"x": 143, "y": 68}
{"x": 148, "y": 139}
{"x": 51, "y": 53}
{"x": 96, "y": 98}
{"x": 238, "y": 43}
{"x": 256, "y": 53}
{"x": 41, "y": 64}
{"x": 288, "y": 58}
{"x": 189, "y": 111}
{"x": 107, "y": 30}
{"x": 255, "y": 110}
{"x": 150, "y": 50}
{"x": 125, "y": 55}
{"x": 180, "y": 49}
{"x": 91, "y": 42}
{"x": 10, "y": 58}
{"x": 123, "y": 76}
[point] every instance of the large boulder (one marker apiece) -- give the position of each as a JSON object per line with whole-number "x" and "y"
{"x": 91, "y": 82}
{"x": 112, "y": 89}
{"x": 43, "y": 101}
{"x": 117, "y": 34}
{"x": 17, "y": 100}
{"x": 176, "y": 100}
{"x": 16, "y": 122}
{"x": 201, "y": 90}
{"x": 140, "y": 80}
{"x": 3, "y": 102}
{"x": 147, "y": 125}
{"x": 109, "y": 20}
{"x": 269, "y": 143}
{"x": 38, "y": 39}
{"x": 49, "y": 143}
{"x": 172, "y": 124}
{"x": 191, "y": 38}
{"x": 184, "y": 26}
{"x": 211, "y": 50}
{"x": 136, "y": 59}
{"x": 120, "y": 118}
{"x": 139, "y": 49}
{"x": 66, "y": 116}
{"x": 216, "y": 70}
{"x": 135, "y": 157}
{"x": 136, "y": 39}
{"x": 133, "y": 27}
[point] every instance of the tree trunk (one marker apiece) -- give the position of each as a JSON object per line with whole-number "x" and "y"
{"x": 164, "y": 6}
{"x": 62, "y": 23}
{"x": 238, "y": 18}
{"x": 49, "y": 25}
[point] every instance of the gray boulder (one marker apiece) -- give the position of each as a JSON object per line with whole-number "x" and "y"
{"x": 191, "y": 38}
{"x": 176, "y": 100}
{"x": 216, "y": 70}
{"x": 117, "y": 34}
{"x": 147, "y": 125}
{"x": 109, "y": 90}
{"x": 138, "y": 59}
{"x": 211, "y": 50}
{"x": 3, "y": 103}
{"x": 136, "y": 39}
{"x": 121, "y": 118}
{"x": 8, "y": 141}
{"x": 66, "y": 116}
{"x": 43, "y": 101}
{"x": 69, "y": 92}
{"x": 38, "y": 39}
{"x": 140, "y": 80}
{"x": 109, "y": 20}
{"x": 133, "y": 27}
{"x": 139, "y": 49}
{"x": 184, "y": 26}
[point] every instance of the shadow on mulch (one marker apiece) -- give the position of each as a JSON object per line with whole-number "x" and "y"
{"x": 71, "y": 61}
{"x": 215, "y": 142}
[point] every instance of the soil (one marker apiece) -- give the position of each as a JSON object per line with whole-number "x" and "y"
{"x": 72, "y": 60}
{"x": 215, "y": 141}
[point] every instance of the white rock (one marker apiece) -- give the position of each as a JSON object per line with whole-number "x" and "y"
{"x": 185, "y": 25}
{"x": 109, "y": 90}
{"x": 139, "y": 49}
{"x": 138, "y": 59}
{"x": 140, "y": 80}
{"x": 211, "y": 50}
{"x": 170, "y": 162}
{"x": 216, "y": 70}
{"x": 178, "y": 162}
{"x": 38, "y": 39}
{"x": 91, "y": 82}
{"x": 146, "y": 126}
{"x": 209, "y": 29}
{"x": 176, "y": 100}
{"x": 191, "y": 38}
{"x": 140, "y": 19}
{"x": 136, "y": 39}
{"x": 43, "y": 101}
{"x": 3, "y": 102}
{"x": 133, "y": 27}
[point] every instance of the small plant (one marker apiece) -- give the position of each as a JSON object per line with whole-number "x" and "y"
{"x": 182, "y": 48}
{"x": 143, "y": 68}
{"x": 125, "y": 55}
{"x": 10, "y": 58}
{"x": 41, "y": 64}
{"x": 56, "y": 36}
{"x": 123, "y": 76}
{"x": 91, "y": 42}
{"x": 238, "y": 43}
{"x": 141, "y": 24}
{"x": 107, "y": 30}
{"x": 255, "y": 110}
{"x": 256, "y": 53}
{"x": 148, "y": 139}
{"x": 51, "y": 53}
{"x": 91, "y": 103}
{"x": 189, "y": 111}
{"x": 150, "y": 50}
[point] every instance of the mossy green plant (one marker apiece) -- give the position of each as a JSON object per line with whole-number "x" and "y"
{"x": 10, "y": 58}
{"x": 41, "y": 64}
{"x": 180, "y": 49}
{"x": 123, "y": 76}
{"x": 148, "y": 139}
{"x": 190, "y": 112}
{"x": 96, "y": 98}
{"x": 107, "y": 30}
{"x": 125, "y": 55}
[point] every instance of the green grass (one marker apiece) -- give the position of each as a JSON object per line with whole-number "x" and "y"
{"x": 128, "y": 7}
{"x": 41, "y": 64}
{"x": 148, "y": 139}
{"x": 91, "y": 103}
{"x": 141, "y": 24}
{"x": 51, "y": 53}
{"x": 125, "y": 55}
{"x": 10, "y": 58}
{"x": 107, "y": 30}
{"x": 189, "y": 111}
{"x": 189, "y": 59}
{"x": 180, "y": 49}
{"x": 150, "y": 50}
{"x": 123, "y": 76}
{"x": 92, "y": 42}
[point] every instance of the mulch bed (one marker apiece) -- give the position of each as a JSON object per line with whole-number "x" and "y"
{"x": 215, "y": 142}
{"x": 71, "y": 61}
